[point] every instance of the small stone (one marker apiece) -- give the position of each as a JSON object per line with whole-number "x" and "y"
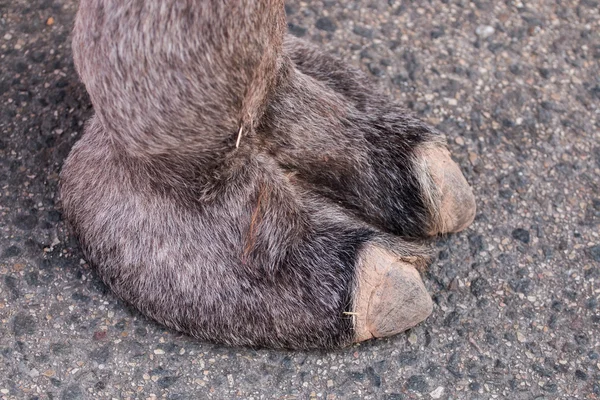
{"x": 24, "y": 324}
{"x": 594, "y": 253}
{"x": 296, "y": 30}
{"x": 20, "y": 67}
{"x": 141, "y": 331}
{"x": 400, "y": 79}
{"x": 479, "y": 286}
{"x": 26, "y": 221}
{"x": 375, "y": 70}
{"x": 453, "y": 286}
{"x": 412, "y": 338}
{"x": 101, "y": 354}
{"x": 582, "y": 376}
{"x": 326, "y": 24}
{"x": 459, "y": 141}
{"x": 364, "y": 32}
{"x": 72, "y": 392}
{"x": 544, "y": 72}
{"x": 290, "y": 10}
{"x": 417, "y": 383}
{"x": 476, "y": 243}
{"x": 99, "y": 335}
{"x": 8, "y": 36}
{"x": 365, "y": 54}
{"x": 582, "y": 339}
{"x": 485, "y": 31}
{"x": 60, "y": 349}
{"x": 4, "y": 391}
{"x": 159, "y": 351}
{"x": 520, "y": 337}
{"x": 437, "y": 32}
{"x": 12, "y": 251}
{"x": 437, "y": 393}
{"x": 550, "y": 387}
{"x": 515, "y": 69}
{"x": 521, "y": 235}
{"x": 385, "y": 62}
{"x": 523, "y": 285}
{"x": 452, "y": 319}
{"x": 472, "y": 158}
{"x": 50, "y": 21}
{"x": 166, "y": 381}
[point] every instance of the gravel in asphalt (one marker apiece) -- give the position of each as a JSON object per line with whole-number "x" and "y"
{"x": 515, "y": 86}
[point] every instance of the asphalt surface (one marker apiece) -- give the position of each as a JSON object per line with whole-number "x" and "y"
{"x": 515, "y": 85}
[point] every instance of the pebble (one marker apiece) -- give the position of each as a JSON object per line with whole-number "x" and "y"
{"x": 101, "y": 354}
{"x": 437, "y": 393}
{"x": 412, "y": 338}
{"x": 72, "y": 392}
{"x": 296, "y": 30}
{"x": 521, "y": 235}
{"x": 594, "y": 253}
{"x": 473, "y": 158}
{"x": 24, "y": 324}
{"x": 417, "y": 383}
{"x": 25, "y": 221}
{"x": 364, "y": 32}
{"x": 167, "y": 381}
{"x": 326, "y": 24}
{"x": 12, "y": 251}
{"x": 437, "y": 32}
{"x": 485, "y": 31}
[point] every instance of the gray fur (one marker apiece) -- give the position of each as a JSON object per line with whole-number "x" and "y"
{"x": 249, "y": 246}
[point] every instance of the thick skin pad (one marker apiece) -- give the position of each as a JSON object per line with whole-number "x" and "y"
{"x": 390, "y": 296}
{"x": 456, "y": 203}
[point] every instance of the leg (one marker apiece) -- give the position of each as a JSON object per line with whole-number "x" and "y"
{"x": 178, "y": 78}
{"x": 214, "y": 241}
